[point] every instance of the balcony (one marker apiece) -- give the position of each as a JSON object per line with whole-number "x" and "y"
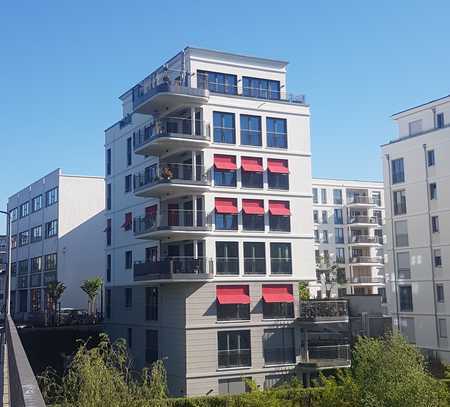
{"x": 169, "y": 134}
{"x": 365, "y": 240}
{"x": 166, "y": 96}
{"x": 359, "y": 280}
{"x": 327, "y": 357}
{"x": 366, "y": 260}
{"x": 170, "y": 179}
{"x": 175, "y": 269}
{"x": 364, "y": 221}
{"x": 323, "y": 311}
{"x": 173, "y": 224}
{"x": 360, "y": 201}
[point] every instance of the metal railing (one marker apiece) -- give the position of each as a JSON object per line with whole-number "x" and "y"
{"x": 362, "y": 219}
{"x": 234, "y": 358}
{"x": 227, "y": 265}
{"x": 323, "y": 310}
{"x": 365, "y": 239}
{"x": 367, "y": 280}
{"x": 366, "y": 259}
{"x": 329, "y": 355}
{"x": 254, "y": 265}
{"x": 181, "y": 266}
{"x": 360, "y": 199}
{"x": 280, "y": 265}
{"x": 277, "y": 356}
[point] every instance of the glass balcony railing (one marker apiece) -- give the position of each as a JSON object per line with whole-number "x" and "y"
{"x": 366, "y": 239}
{"x": 329, "y": 355}
{"x": 366, "y": 259}
{"x": 174, "y": 267}
{"x": 227, "y": 266}
{"x": 363, "y": 219}
{"x": 279, "y": 356}
{"x": 367, "y": 280}
{"x": 323, "y": 310}
{"x": 254, "y": 265}
{"x": 234, "y": 358}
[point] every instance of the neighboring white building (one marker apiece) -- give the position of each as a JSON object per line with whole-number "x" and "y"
{"x": 348, "y": 217}
{"x": 57, "y": 235}
{"x": 208, "y": 225}
{"x": 417, "y": 187}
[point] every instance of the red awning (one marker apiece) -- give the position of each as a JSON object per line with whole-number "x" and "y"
{"x": 252, "y": 164}
{"x": 277, "y": 166}
{"x": 225, "y": 162}
{"x": 226, "y": 205}
{"x": 253, "y": 206}
{"x": 280, "y": 208}
{"x": 277, "y": 293}
{"x": 233, "y": 294}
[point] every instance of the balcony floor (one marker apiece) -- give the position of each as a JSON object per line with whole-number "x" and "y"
{"x": 169, "y": 142}
{"x": 175, "y": 233}
{"x": 172, "y": 188}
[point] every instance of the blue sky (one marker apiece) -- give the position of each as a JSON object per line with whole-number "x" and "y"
{"x": 63, "y": 64}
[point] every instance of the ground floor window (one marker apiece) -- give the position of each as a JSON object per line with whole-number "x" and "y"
{"x": 233, "y": 386}
{"x": 151, "y": 346}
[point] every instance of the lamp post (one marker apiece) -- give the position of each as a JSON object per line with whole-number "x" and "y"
{"x": 8, "y": 277}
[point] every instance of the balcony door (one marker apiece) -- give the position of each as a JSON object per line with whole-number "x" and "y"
{"x": 172, "y": 215}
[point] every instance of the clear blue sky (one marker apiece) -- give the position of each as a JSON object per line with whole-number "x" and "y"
{"x": 64, "y": 63}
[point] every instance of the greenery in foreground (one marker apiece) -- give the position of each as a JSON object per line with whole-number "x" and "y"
{"x": 385, "y": 373}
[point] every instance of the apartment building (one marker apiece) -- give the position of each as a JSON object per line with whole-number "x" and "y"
{"x": 348, "y": 217}
{"x": 417, "y": 187}
{"x": 208, "y": 183}
{"x": 57, "y": 235}
{"x": 3, "y": 267}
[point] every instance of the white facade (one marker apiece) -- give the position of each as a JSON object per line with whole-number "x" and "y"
{"x": 417, "y": 185}
{"x": 348, "y": 216}
{"x": 57, "y": 233}
{"x": 185, "y": 141}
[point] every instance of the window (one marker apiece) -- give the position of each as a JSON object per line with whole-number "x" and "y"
{"x": 440, "y": 122}
{"x": 128, "y": 297}
{"x": 440, "y": 293}
{"x": 51, "y": 196}
{"x": 251, "y": 130}
{"x": 217, "y": 82}
{"x": 224, "y": 170}
{"x": 399, "y": 198}
{"x": 433, "y": 191}
{"x": 338, "y": 218}
{"x": 254, "y": 258}
{"x": 253, "y": 214}
{"x": 278, "y": 345}
{"x": 337, "y": 196}
{"x": 339, "y": 235}
{"x": 108, "y": 232}
{"x": 406, "y": 300}
{"x": 278, "y": 174}
{"x": 108, "y": 197}
{"x": 108, "y": 161}
{"x": 35, "y": 300}
{"x": 251, "y": 172}
{"x": 128, "y": 221}
{"x": 24, "y": 209}
{"x": 407, "y": 329}
{"x": 36, "y": 264}
{"x": 276, "y": 133}
{"x": 51, "y": 228}
{"x": 35, "y": 280}
{"x": 323, "y": 195}
{"x": 151, "y": 346}
{"x": 227, "y": 258}
{"x": 324, "y": 236}
{"x": 415, "y": 127}
{"x": 316, "y": 236}
{"x": 278, "y": 301}
{"x": 233, "y": 386}
{"x": 232, "y": 312}
{"x": 24, "y": 238}
{"x": 129, "y": 153}
{"x": 398, "y": 173}
{"x": 23, "y": 300}
{"x": 324, "y": 217}
{"x": 128, "y": 259}
{"x": 127, "y": 183}
{"x": 23, "y": 267}
{"x": 224, "y": 128}
{"x": 280, "y": 258}
{"x": 13, "y": 269}
{"x": 234, "y": 349}
{"x": 382, "y": 292}
{"x": 376, "y": 198}
{"x": 435, "y": 224}
{"x": 151, "y": 303}
{"x": 36, "y": 203}
{"x": 14, "y": 214}
{"x": 430, "y": 158}
{"x": 340, "y": 255}
{"x": 13, "y": 241}
{"x": 442, "y": 327}
{"x": 130, "y": 337}
{"x": 279, "y": 216}
{"x": 50, "y": 261}
{"x": 36, "y": 234}
{"x": 261, "y": 88}
{"x": 437, "y": 257}
{"x": 108, "y": 268}
{"x": 403, "y": 265}
{"x": 316, "y": 216}
{"x": 226, "y": 214}
{"x": 108, "y": 302}
{"x": 315, "y": 195}
{"x": 401, "y": 233}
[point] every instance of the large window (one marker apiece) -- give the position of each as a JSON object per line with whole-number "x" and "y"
{"x": 36, "y": 203}
{"x": 224, "y": 128}
{"x": 276, "y": 133}
{"x": 261, "y": 88}
{"x": 51, "y": 228}
{"x": 36, "y": 234}
{"x": 151, "y": 346}
{"x": 24, "y": 238}
{"x": 151, "y": 303}
{"x": 254, "y": 258}
{"x": 128, "y": 297}
{"x": 24, "y": 209}
{"x": 251, "y": 172}
{"x": 108, "y": 161}
{"x": 440, "y": 120}
{"x": 340, "y": 255}
{"x": 279, "y": 216}
{"x": 433, "y": 191}
{"x": 227, "y": 311}
{"x": 23, "y": 266}
{"x": 251, "y": 130}
{"x": 50, "y": 262}
{"x": 280, "y": 258}
{"x": 337, "y": 196}
{"x": 278, "y": 346}
{"x": 398, "y": 173}
{"x": 403, "y": 265}
{"x": 339, "y": 235}
{"x": 278, "y": 174}
{"x": 36, "y": 264}
{"x": 406, "y": 300}
{"x": 399, "y": 198}
{"x": 401, "y": 233}
{"x": 226, "y": 214}
{"x": 227, "y": 258}
{"x": 253, "y": 214}
{"x": 51, "y": 196}
{"x": 234, "y": 349}
{"x": 128, "y": 259}
{"x": 338, "y": 217}
{"x": 224, "y": 170}
{"x": 217, "y": 82}
{"x": 315, "y": 195}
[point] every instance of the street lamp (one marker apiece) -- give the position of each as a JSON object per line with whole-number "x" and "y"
{"x": 8, "y": 277}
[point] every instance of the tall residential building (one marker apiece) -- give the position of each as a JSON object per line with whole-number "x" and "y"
{"x": 208, "y": 226}
{"x": 3, "y": 267}
{"x": 57, "y": 235}
{"x": 417, "y": 187}
{"x": 348, "y": 218}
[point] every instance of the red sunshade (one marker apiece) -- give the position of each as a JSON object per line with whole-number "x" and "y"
{"x": 233, "y": 294}
{"x": 253, "y": 206}
{"x": 225, "y": 162}
{"x": 278, "y": 166}
{"x": 277, "y": 293}
{"x": 252, "y": 164}
{"x": 280, "y": 208}
{"x": 226, "y": 205}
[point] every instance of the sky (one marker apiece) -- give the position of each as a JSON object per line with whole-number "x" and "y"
{"x": 63, "y": 65}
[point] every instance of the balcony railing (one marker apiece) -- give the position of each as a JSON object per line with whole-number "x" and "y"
{"x": 278, "y": 356}
{"x": 363, "y": 219}
{"x": 360, "y": 199}
{"x": 254, "y": 265}
{"x": 235, "y": 358}
{"x": 366, "y": 239}
{"x": 323, "y": 310}
{"x": 329, "y": 355}
{"x": 367, "y": 280}
{"x": 280, "y": 265}
{"x": 174, "y": 268}
{"x": 366, "y": 259}
{"x": 227, "y": 265}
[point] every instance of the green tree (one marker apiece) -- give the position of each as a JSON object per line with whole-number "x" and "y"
{"x": 303, "y": 291}
{"x": 92, "y": 287}
{"x": 55, "y": 290}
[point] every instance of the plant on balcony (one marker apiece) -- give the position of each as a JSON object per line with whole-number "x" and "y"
{"x": 55, "y": 290}
{"x": 303, "y": 291}
{"x": 92, "y": 287}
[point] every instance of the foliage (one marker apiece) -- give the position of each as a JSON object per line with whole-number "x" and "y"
{"x": 303, "y": 291}
{"x": 55, "y": 290}
{"x": 91, "y": 287}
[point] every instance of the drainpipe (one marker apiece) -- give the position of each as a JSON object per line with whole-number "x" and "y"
{"x": 394, "y": 262}
{"x": 430, "y": 246}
